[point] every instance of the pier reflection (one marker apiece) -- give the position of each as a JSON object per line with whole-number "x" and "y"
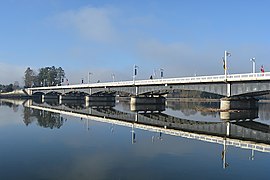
{"x": 239, "y": 115}
{"x": 147, "y": 108}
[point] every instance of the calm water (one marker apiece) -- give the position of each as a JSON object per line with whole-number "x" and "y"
{"x": 71, "y": 141}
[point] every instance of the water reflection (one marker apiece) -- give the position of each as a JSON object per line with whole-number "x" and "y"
{"x": 147, "y": 108}
{"x": 239, "y": 115}
{"x": 193, "y": 107}
{"x": 239, "y": 130}
{"x": 14, "y": 104}
{"x": 44, "y": 119}
{"x": 161, "y": 120}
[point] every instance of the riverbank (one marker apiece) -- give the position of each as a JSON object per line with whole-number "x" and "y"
{"x": 17, "y": 94}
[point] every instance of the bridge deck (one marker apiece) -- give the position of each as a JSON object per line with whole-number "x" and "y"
{"x": 167, "y": 81}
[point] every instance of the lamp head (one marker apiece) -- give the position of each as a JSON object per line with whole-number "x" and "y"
{"x": 252, "y": 59}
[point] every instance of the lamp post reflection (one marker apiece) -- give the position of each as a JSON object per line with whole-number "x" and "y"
{"x": 133, "y": 135}
{"x": 252, "y": 155}
{"x": 224, "y": 151}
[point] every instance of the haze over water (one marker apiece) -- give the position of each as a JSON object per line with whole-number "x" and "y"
{"x": 42, "y": 144}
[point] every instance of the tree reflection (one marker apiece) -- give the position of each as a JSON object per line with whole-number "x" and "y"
{"x": 15, "y": 107}
{"x": 44, "y": 118}
{"x": 193, "y": 107}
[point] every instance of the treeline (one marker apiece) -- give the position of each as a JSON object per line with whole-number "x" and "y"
{"x": 6, "y": 88}
{"x": 9, "y": 88}
{"x": 47, "y": 76}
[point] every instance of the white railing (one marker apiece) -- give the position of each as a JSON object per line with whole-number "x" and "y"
{"x": 165, "y": 81}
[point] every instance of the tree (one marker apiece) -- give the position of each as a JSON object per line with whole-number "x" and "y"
{"x": 29, "y": 77}
{"x": 8, "y": 88}
{"x": 60, "y": 75}
{"x": 50, "y": 76}
{"x": 16, "y": 85}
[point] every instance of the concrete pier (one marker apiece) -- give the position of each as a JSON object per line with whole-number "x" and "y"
{"x": 100, "y": 98}
{"x": 66, "y": 97}
{"x": 238, "y": 103}
{"x": 147, "y": 100}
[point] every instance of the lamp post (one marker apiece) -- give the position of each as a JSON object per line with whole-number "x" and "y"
{"x": 135, "y": 72}
{"x": 253, "y": 65}
{"x": 113, "y": 77}
{"x": 89, "y": 74}
{"x": 226, "y": 54}
{"x": 161, "y": 72}
{"x": 154, "y": 73}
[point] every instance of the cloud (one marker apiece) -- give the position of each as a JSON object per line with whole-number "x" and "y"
{"x": 92, "y": 23}
{"x": 9, "y": 73}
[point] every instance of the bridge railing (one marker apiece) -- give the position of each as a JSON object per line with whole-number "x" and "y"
{"x": 166, "y": 81}
{"x": 215, "y": 78}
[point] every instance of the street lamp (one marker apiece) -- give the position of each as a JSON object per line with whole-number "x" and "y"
{"x": 135, "y": 72}
{"x": 226, "y": 54}
{"x": 113, "y": 77}
{"x": 154, "y": 73}
{"x": 89, "y": 74}
{"x": 253, "y": 65}
{"x": 161, "y": 72}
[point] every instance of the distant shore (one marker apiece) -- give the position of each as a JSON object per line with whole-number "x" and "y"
{"x": 17, "y": 94}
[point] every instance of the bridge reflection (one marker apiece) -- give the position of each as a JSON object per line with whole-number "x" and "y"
{"x": 246, "y": 134}
{"x": 244, "y": 129}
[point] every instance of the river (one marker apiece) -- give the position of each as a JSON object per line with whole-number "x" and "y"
{"x": 183, "y": 140}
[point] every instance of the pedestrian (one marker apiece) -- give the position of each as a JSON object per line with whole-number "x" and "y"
{"x": 262, "y": 69}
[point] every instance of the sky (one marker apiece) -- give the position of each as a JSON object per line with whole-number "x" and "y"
{"x": 106, "y": 37}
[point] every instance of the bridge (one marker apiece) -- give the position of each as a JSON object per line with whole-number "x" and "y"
{"x": 144, "y": 91}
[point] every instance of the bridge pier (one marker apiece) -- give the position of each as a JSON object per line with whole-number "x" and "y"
{"x": 42, "y": 98}
{"x": 66, "y": 97}
{"x": 238, "y": 103}
{"x": 45, "y": 97}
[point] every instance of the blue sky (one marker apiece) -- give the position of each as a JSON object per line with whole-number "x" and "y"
{"x": 184, "y": 37}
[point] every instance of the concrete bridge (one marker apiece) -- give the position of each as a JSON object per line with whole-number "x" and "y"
{"x": 150, "y": 91}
